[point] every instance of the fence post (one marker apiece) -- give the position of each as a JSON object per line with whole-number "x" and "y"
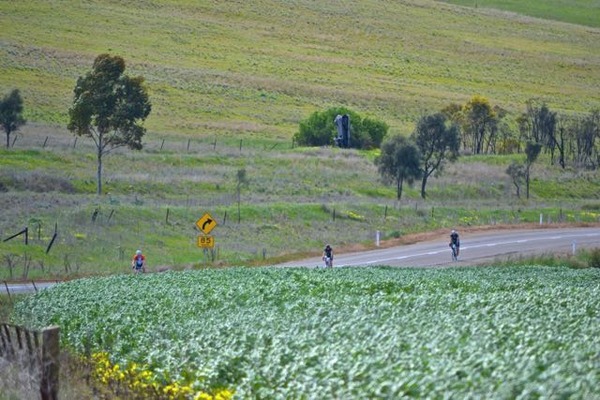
{"x": 50, "y": 363}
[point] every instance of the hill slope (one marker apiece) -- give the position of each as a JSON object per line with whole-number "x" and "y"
{"x": 260, "y": 67}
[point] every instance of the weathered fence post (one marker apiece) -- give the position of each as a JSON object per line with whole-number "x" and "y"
{"x": 7, "y": 291}
{"x": 50, "y": 363}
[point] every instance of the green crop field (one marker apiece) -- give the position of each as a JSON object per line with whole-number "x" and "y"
{"x": 228, "y": 88}
{"x": 504, "y": 333}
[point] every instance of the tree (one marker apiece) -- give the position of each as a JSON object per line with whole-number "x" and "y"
{"x": 538, "y": 124}
{"x": 320, "y": 130}
{"x": 532, "y": 151}
{"x": 376, "y": 131}
{"x": 437, "y": 143}
{"x": 399, "y": 160}
{"x": 109, "y": 107}
{"x": 587, "y": 132}
{"x": 479, "y": 120}
{"x": 11, "y": 110}
{"x": 517, "y": 173}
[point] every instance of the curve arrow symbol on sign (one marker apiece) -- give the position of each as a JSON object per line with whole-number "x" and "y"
{"x": 206, "y": 223}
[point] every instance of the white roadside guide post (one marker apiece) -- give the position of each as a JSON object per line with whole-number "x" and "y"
{"x": 377, "y": 234}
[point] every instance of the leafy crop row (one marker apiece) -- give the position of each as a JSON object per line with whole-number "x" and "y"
{"x": 345, "y": 333}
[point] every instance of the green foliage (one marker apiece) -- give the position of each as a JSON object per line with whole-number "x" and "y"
{"x": 437, "y": 143}
{"x": 343, "y": 333}
{"x": 110, "y": 108}
{"x": 399, "y": 161}
{"x": 11, "y": 114}
{"x": 320, "y": 130}
{"x": 517, "y": 174}
{"x": 594, "y": 261}
{"x": 479, "y": 120}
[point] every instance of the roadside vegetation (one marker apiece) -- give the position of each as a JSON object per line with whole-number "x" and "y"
{"x": 296, "y": 200}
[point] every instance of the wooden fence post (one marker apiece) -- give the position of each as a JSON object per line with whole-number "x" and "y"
{"x": 50, "y": 363}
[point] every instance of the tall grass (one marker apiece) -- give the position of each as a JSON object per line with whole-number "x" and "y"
{"x": 297, "y": 199}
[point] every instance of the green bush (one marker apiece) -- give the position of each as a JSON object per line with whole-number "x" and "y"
{"x": 320, "y": 130}
{"x": 594, "y": 261}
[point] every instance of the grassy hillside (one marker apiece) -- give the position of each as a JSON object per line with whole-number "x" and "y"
{"x": 582, "y": 12}
{"x": 260, "y": 67}
{"x": 229, "y": 86}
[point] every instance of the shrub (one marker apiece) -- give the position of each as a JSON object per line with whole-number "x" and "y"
{"x": 35, "y": 181}
{"x": 594, "y": 261}
{"x": 320, "y": 130}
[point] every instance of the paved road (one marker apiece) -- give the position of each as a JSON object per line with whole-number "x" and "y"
{"x": 476, "y": 249}
{"x": 20, "y": 288}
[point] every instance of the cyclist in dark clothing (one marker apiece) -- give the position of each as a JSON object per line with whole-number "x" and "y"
{"x": 455, "y": 240}
{"x": 328, "y": 256}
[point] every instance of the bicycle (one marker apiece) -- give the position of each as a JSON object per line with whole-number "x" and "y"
{"x": 328, "y": 262}
{"x": 454, "y": 254}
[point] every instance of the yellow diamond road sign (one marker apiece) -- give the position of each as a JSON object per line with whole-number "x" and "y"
{"x": 206, "y": 223}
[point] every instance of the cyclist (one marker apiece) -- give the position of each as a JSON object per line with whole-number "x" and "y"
{"x": 328, "y": 256}
{"x": 138, "y": 263}
{"x": 455, "y": 240}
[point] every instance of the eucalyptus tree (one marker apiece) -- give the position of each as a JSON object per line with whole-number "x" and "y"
{"x": 110, "y": 108}
{"x": 11, "y": 114}
{"x": 587, "y": 137}
{"x": 399, "y": 161}
{"x": 438, "y": 142}
{"x": 516, "y": 171}
{"x": 532, "y": 151}
{"x": 479, "y": 122}
{"x": 539, "y": 124}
